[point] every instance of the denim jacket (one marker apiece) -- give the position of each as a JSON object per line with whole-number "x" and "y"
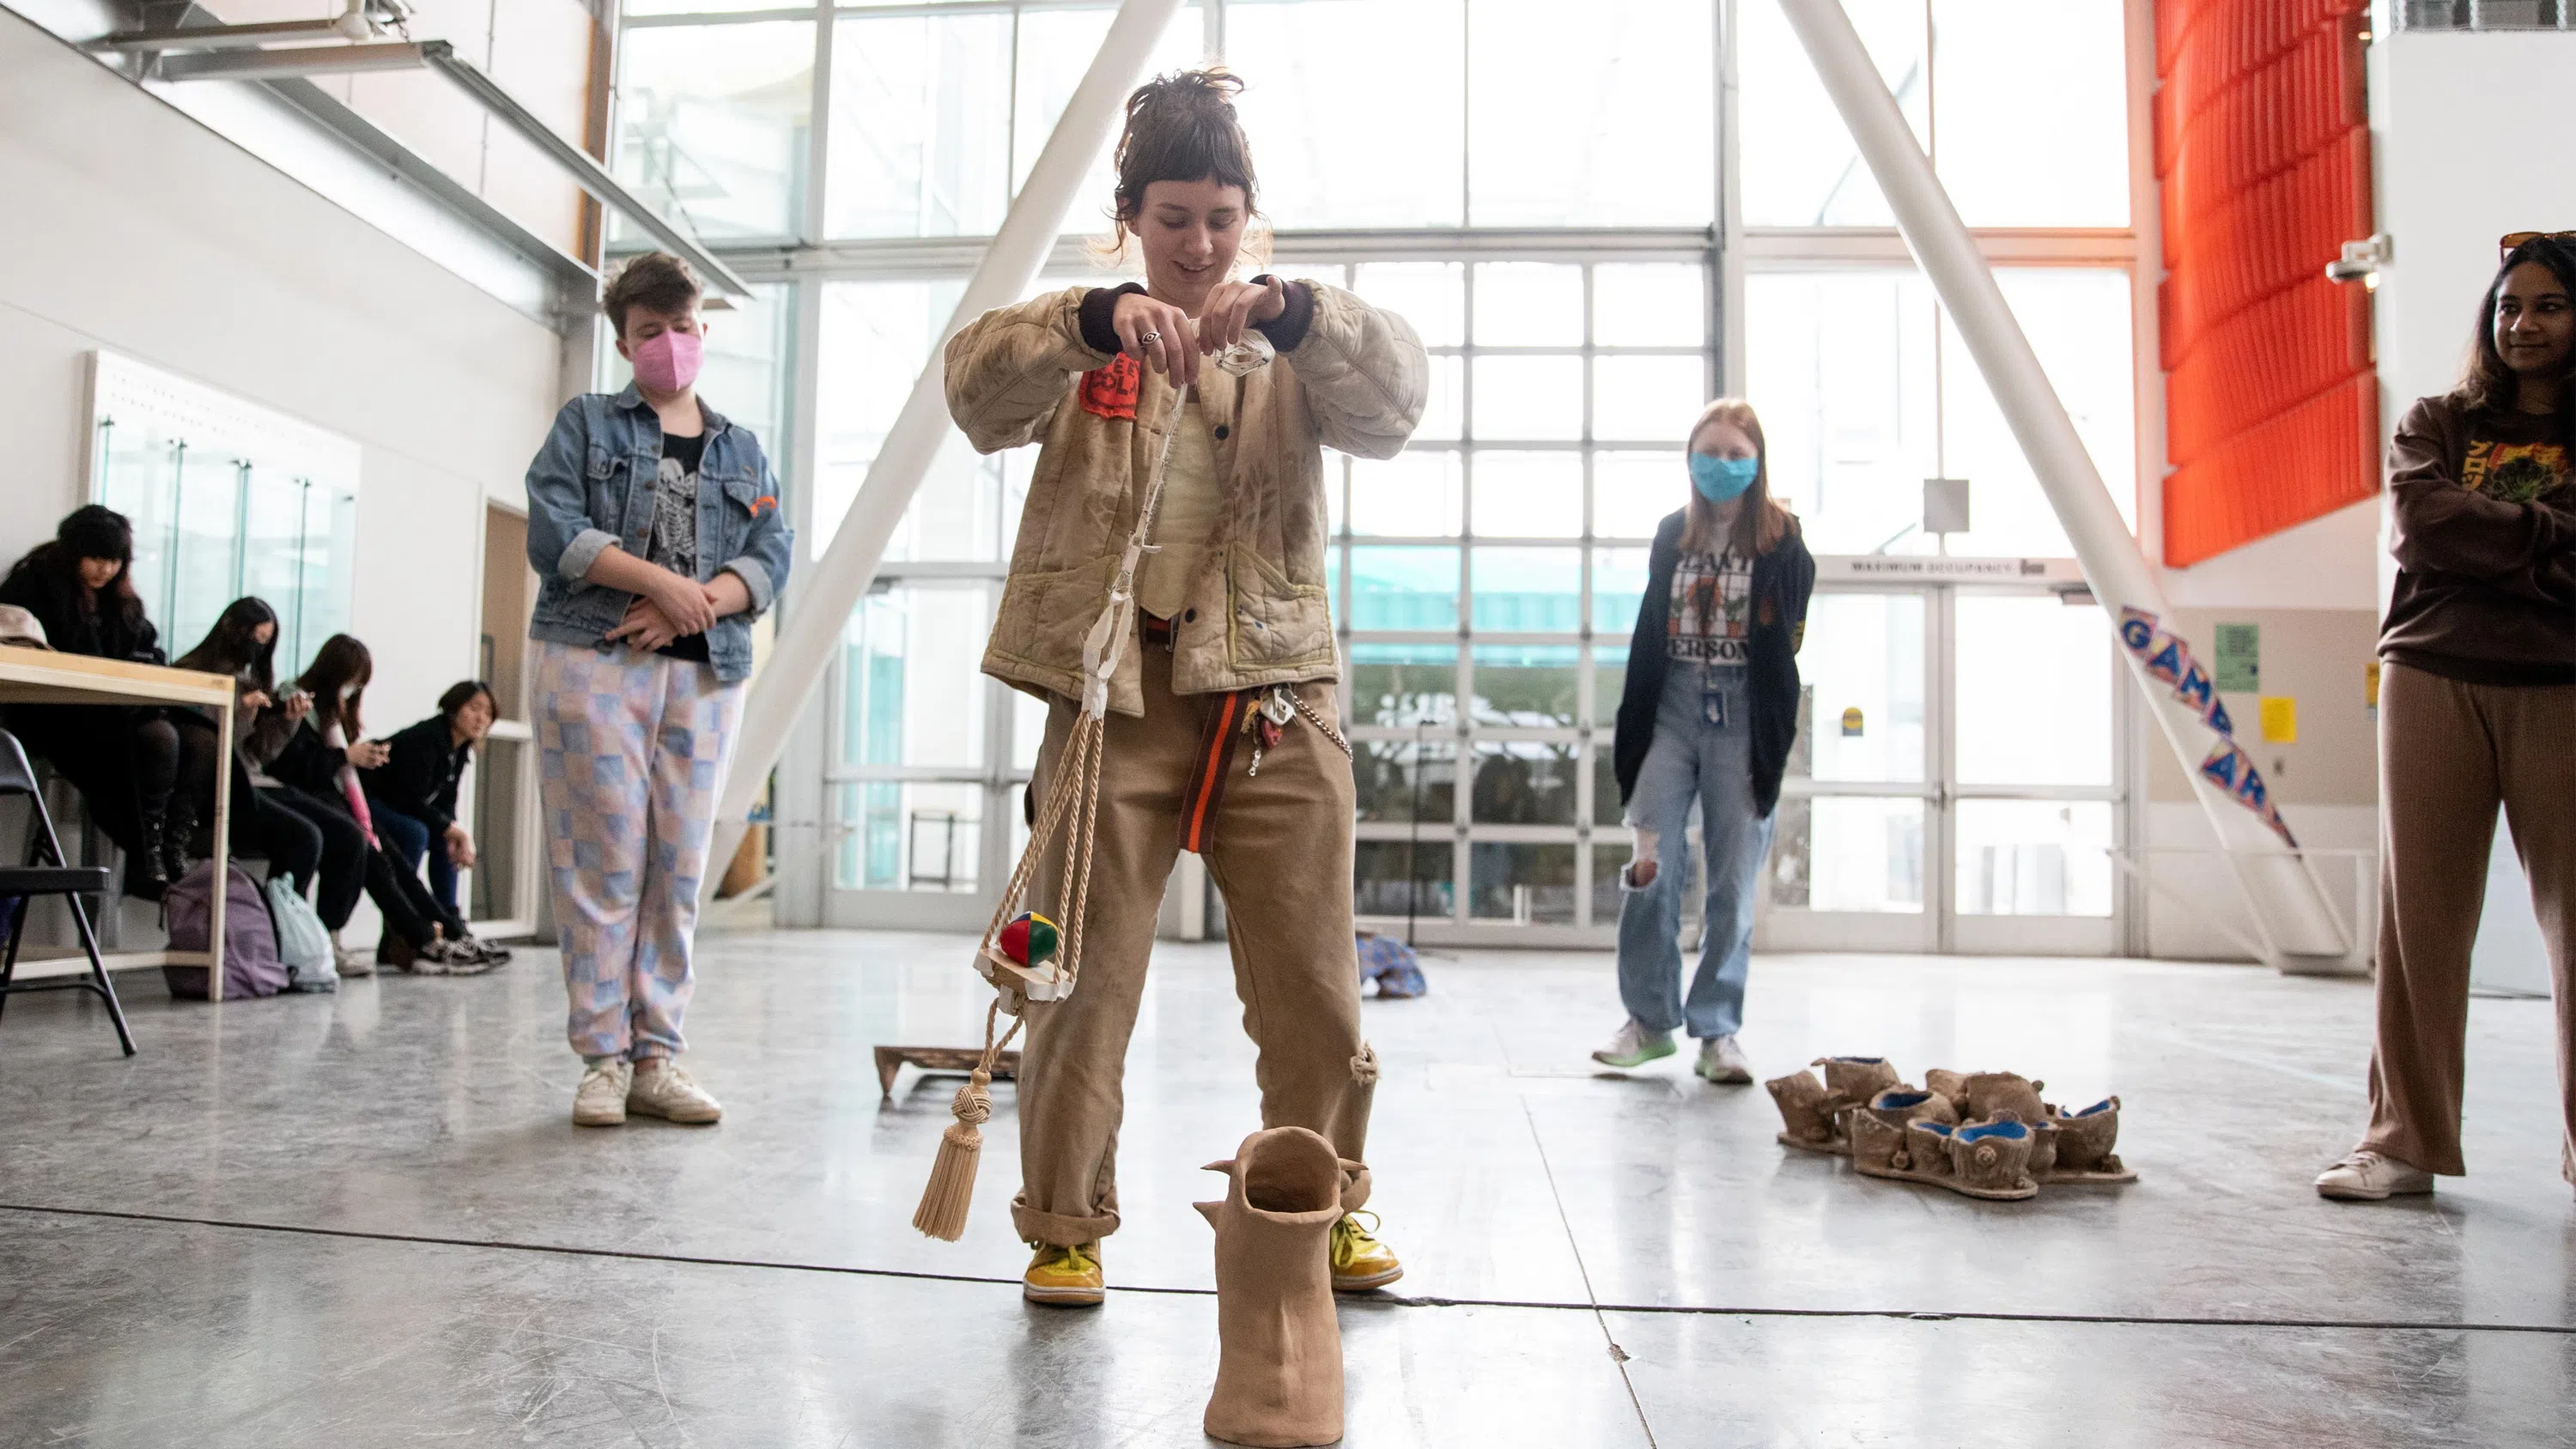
{"x": 592, "y": 485}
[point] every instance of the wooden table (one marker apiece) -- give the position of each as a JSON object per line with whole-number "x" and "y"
{"x": 42, "y": 676}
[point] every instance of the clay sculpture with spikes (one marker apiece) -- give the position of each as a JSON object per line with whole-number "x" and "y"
{"x": 1854, "y": 1080}
{"x": 1983, "y": 1095}
{"x": 1984, "y": 1134}
{"x": 1279, "y": 1369}
{"x": 1851, "y": 1082}
{"x": 2084, "y": 1143}
{"x": 1885, "y": 1142}
{"x": 1806, "y": 1114}
{"x": 1992, "y": 1160}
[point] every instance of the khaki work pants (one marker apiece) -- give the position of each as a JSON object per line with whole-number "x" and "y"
{"x": 1281, "y": 856}
{"x": 2449, "y": 754}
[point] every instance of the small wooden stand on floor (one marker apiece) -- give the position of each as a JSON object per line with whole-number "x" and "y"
{"x": 949, "y": 1061}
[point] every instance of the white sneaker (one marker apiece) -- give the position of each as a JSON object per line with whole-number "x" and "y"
{"x": 1634, "y": 1046}
{"x": 1721, "y": 1060}
{"x": 662, "y": 1090}
{"x": 2367, "y": 1176}
{"x": 600, "y": 1100}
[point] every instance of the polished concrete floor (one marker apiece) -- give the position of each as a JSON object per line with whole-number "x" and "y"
{"x": 365, "y": 1219}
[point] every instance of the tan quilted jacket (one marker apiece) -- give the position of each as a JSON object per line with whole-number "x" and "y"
{"x": 1348, "y": 376}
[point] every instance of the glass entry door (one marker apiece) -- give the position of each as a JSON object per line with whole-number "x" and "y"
{"x": 1955, "y": 786}
{"x": 930, "y": 760}
{"x": 1854, "y": 853}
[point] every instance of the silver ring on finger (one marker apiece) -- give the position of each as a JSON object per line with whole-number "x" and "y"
{"x": 1150, "y": 338}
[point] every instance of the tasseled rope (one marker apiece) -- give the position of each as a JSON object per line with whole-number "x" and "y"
{"x": 951, "y": 1189}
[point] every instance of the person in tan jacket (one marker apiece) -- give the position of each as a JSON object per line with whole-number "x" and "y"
{"x": 1222, "y": 733}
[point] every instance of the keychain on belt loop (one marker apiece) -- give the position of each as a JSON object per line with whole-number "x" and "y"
{"x": 1019, "y": 953}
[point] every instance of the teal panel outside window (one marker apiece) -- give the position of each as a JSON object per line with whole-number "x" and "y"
{"x": 1404, "y": 588}
{"x": 1618, "y": 589}
{"x": 1528, "y": 590}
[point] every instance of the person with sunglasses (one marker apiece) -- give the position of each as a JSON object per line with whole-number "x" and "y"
{"x": 2477, "y": 709}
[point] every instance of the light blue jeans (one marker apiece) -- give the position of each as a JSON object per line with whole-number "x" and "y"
{"x": 1710, "y": 762}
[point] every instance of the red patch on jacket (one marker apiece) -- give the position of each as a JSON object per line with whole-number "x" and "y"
{"x": 1770, "y": 614}
{"x": 1110, "y": 392}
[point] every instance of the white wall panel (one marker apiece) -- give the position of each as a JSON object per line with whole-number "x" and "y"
{"x": 134, "y": 228}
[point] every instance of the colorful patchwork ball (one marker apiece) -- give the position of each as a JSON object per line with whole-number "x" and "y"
{"x": 1029, "y": 939}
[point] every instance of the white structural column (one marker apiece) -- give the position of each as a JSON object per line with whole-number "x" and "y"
{"x": 824, "y": 594}
{"x": 2290, "y": 907}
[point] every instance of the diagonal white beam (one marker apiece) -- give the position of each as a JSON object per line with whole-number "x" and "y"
{"x": 2289, "y": 906}
{"x": 824, "y": 594}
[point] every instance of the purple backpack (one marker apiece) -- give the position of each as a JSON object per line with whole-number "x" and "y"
{"x": 251, "y": 964}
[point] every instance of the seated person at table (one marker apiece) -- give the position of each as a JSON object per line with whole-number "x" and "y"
{"x": 320, "y": 763}
{"x": 413, "y": 793}
{"x": 124, "y": 759}
{"x": 266, "y": 820}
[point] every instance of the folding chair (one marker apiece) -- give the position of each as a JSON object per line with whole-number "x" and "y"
{"x": 49, "y": 873}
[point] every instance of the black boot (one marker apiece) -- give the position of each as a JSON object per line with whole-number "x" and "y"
{"x": 146, "y": 876}
{"x": 182, "y": 824}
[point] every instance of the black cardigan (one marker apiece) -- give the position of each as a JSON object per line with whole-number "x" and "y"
{"x": 419, "y": 775}
{"x": 308, "y": 764}
{"x": 1782, "y": 580}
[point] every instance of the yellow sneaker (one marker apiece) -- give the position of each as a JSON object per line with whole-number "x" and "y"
{"x": 1066, "y": 1277}
{"x": 1360, "y": 1261}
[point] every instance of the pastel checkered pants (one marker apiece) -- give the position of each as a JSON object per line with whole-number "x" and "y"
{"x": 632, "y": 749}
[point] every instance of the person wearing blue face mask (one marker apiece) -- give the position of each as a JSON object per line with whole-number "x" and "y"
{"x": 1708, "y": 714}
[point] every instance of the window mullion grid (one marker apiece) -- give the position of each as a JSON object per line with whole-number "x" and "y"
{"x": 812, "y": 226}
{"x": 1463, "y": 788}
{"x": 782, "y": 11}
{"x": 1631, "y": 350}
{"x": 1462, "y": 812}
{"x": 1467, "y": 151}
{"x": 1011, "y": 121}
{"x": 922, "y": 9}
{"x": 1460, "y": 737}
{"x": 1583, "y": 686}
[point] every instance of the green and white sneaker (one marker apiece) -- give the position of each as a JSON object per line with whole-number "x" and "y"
{"x": 1721, "y": 1061}
{"x": 1634, "y": 1046}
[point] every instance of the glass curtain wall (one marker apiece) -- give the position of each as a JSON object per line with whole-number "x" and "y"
{"x": 1957, "y": 758}
{"x": 1538, "y": 190}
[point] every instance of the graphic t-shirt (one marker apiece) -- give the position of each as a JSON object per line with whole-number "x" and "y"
{"x": 1712, "y": 609}
{"x": 674, "y": 541}
{"x": 2510, "y": 471}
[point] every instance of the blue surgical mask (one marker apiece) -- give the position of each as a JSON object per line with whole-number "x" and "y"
{"x": 1722, "y": 480}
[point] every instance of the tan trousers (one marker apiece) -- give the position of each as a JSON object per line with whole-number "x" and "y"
{"x": 2449, "y": 754}
{"x": 1281, "y": 856}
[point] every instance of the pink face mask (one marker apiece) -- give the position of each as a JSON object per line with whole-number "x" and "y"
{"x": 668, "y": 361}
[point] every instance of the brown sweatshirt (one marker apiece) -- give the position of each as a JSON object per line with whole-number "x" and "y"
{"x": 2485, "y": 539}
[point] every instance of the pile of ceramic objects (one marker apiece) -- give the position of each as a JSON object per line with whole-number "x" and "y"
{"x": 1982, "y": 1134}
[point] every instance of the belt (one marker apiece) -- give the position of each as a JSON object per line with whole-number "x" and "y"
{"x": 1156, "y": 631}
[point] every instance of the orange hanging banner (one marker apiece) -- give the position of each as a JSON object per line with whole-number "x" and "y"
{"x": 2263, "y": 161}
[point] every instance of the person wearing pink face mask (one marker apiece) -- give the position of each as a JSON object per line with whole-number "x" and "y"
{"x": 654, "y": 527}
